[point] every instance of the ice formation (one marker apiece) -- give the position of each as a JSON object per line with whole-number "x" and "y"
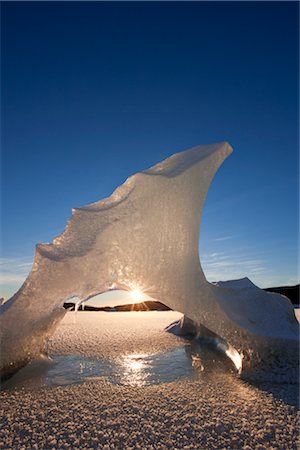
{"x": 145, "y": 236}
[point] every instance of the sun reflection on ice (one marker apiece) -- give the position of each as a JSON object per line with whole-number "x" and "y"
{"x": 135, "y": 366}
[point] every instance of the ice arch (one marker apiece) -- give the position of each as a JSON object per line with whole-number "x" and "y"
{"x": 145, "y": 235}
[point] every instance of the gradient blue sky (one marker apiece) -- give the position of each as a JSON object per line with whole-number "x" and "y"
{"x": 93, "y": 92}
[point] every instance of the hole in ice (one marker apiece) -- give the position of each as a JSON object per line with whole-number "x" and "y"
{"x": 116, "y": 300}
{"x": 191, "y": 360}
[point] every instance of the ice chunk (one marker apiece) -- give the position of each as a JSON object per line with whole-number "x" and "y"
{"x": 145, "y": 237}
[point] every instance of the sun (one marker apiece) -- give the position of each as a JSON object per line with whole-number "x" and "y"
{"x": 136, "y": 295}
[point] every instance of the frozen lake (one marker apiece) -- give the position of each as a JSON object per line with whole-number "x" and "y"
{"x": 137, "y": 369}
{"x": 119, "y": 380}
{"x": 124, "y": 348}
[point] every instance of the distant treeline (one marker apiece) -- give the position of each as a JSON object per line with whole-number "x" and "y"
{"x": 149, "y": 305}
{"x": 291, "y": 292}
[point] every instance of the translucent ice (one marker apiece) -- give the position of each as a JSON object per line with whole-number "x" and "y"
{"x": 145, "y": 236}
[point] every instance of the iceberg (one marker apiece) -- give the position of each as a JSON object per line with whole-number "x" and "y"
{"x": 145, "y": 237}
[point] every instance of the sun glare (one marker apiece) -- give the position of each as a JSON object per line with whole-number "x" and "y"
{"x": 136, "y": 295}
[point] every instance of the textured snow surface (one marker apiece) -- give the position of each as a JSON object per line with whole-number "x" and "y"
{"x": 145, "y": 236}
{"x": 211, "y": 412}
{"x": 122, "y": 332}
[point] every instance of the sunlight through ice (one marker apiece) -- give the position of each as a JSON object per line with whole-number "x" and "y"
{"x": 236, "y": 358}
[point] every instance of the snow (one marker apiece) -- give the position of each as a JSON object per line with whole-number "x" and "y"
{"x": 217, "y": 411}
{"x": 118, "y": 333}
{"x": 145, "y": 237}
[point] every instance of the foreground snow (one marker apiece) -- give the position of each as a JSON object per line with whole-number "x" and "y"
{"x": 213, "y": 411}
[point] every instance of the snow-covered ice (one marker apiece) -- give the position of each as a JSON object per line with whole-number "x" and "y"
{"x": 217, "y": 411}
{"x": 145, "y": 236}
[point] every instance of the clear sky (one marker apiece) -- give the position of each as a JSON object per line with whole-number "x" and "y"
{"x": 94, "y": 92}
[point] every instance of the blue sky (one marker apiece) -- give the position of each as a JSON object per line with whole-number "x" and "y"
{"x": 94, "y": 92}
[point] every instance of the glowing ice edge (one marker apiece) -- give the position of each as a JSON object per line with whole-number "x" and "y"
{"x": 145, "y": 237}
